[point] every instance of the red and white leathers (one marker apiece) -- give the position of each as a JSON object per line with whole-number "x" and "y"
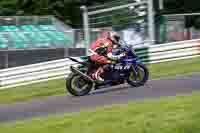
{"x": 101, "y": 43}
{"x": 102, "y": 58}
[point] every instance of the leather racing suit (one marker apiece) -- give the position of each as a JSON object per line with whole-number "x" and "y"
{"x": 101, "y": 51}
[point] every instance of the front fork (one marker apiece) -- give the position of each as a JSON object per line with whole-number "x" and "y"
{"x": 135, "y": 68}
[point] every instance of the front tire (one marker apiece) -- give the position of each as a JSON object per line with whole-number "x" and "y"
{"x": 77, "y": 86}
{"x": 139, "y": 76}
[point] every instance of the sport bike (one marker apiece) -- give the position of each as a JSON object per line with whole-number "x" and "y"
{"x": 129, "y": 69}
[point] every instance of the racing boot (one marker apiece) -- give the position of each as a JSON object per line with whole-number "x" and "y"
{"x": 97, "y": 75}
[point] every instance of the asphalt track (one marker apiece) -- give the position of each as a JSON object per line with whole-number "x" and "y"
{"x": 120, "y": 94}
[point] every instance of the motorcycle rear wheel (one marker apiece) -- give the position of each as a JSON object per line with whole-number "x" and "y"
{"x": 77, "y": 86}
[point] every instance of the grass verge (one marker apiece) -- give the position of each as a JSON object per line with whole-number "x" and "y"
{"x": 169, "y": 115}
{"x": 57, "y": 87}
{"x": 174, "y": 68}
{"x": 39, "y": 90}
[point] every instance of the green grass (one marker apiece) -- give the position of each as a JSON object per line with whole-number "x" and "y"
{"x": 182, "y": 67}
{"x": 57, "y": 87}
{"x": 169, "y": 115}
{"x": 33, "y": 91}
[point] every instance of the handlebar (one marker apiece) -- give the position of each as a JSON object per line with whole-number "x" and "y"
{"x": 122, "y": 42}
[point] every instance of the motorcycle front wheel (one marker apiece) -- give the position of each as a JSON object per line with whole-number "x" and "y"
{"x": 78, "y": 86}
{"x": 138, "y": 76}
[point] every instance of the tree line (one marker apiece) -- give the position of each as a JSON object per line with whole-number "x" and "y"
{"x": 69, "y": 10}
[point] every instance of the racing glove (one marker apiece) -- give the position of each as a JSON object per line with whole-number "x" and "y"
{"x": 115, "y": 57}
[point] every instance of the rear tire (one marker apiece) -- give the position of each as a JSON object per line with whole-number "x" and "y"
{"x": 73, "y": 82}
{"x": 144, "y": 78}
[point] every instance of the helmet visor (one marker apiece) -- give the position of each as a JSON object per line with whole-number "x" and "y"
{"x": 117, "y": 38}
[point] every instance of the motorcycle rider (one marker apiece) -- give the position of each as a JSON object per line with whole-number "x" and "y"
{"x": 102, "y": 54}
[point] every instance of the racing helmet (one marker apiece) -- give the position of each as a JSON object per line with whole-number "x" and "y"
{"x": 114, "y": 37}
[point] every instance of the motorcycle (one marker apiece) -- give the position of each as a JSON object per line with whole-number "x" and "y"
{"x": 129, "y": 69}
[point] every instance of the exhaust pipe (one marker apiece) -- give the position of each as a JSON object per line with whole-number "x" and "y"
{"x": 74, "y": 70}
{"x": 74, "y": 60}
